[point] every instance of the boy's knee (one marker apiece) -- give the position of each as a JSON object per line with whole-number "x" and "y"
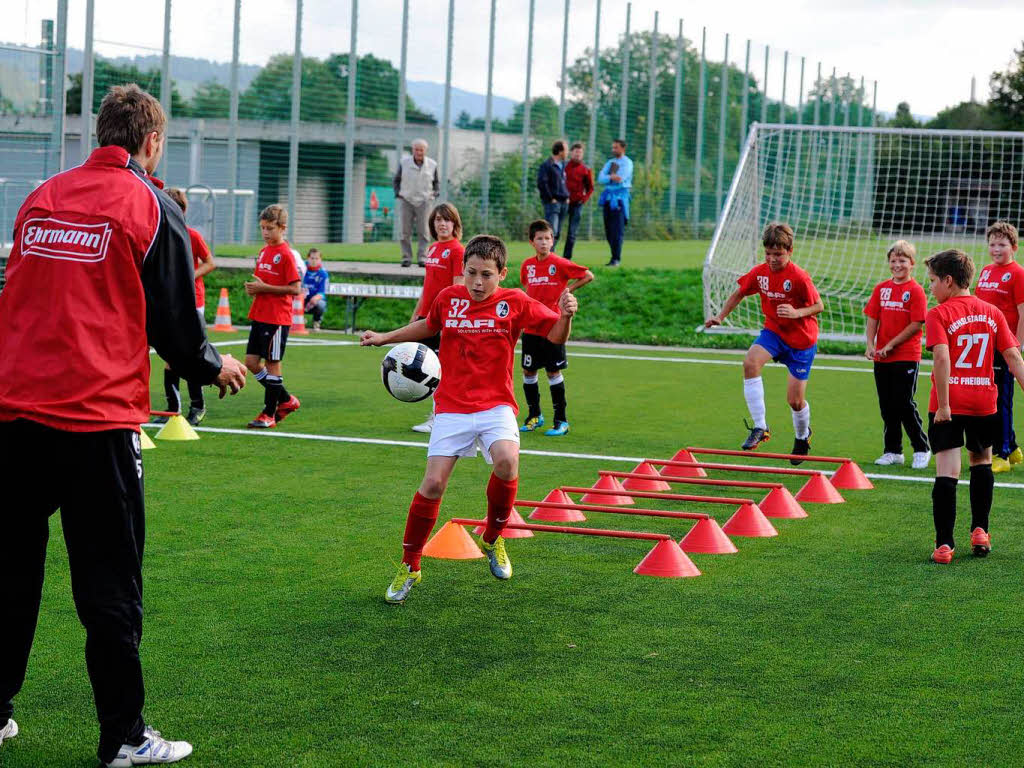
{"x": 507, "y": 468}
{"x": 751, "y": 368}
{"x": 432, "y": 486}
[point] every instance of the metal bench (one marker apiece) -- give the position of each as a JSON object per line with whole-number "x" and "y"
{"x": 356, "y": 293}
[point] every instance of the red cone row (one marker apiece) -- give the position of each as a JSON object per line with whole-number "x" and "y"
{"x": 552, "y": 515}
{"x": 819, "y": 490}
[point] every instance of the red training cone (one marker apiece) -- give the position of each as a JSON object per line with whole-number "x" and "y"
{"x": 780, "y": 503}
{"x": 749, "y": 521}
{"x": 299, "y": 315}
{"x": 606, "y": 483}
{"x": 851, "y": 477}
{"x": 510, "y": 533}
{"x": 552, "y": 515}
{"x": 636, "y": 484}
{"x": 683, "y": 455}
{"x": 818, "y": 490}
{"x": 452, "y": 543}
{"x": 668, "y": 561}
{"x": 708, "y": 538}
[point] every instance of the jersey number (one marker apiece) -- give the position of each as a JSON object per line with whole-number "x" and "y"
{"x": 968, "y": 343}
{"x": 458, "y": 308}
{"x": 762, "y": 281}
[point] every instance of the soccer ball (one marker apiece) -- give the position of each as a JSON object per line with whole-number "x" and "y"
{"x": 411, "y": 372}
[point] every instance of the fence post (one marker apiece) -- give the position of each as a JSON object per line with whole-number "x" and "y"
{"x": 652, "y": 88}
{"x": 779, "y": 151}
{"x": 87, "y": 83}
{"x": 745, "y": 110}
{"x": 673, "y": 176}
{"x": 723, "y": 85}
{"x": 60, "y": 67}
{"x": 596, "y": 73}
{"x": 561, "y": 82}
{"x": 526, "y": 108}
{"x": 446, "y": 127}
{"x": 764, "y": 87}
{"x": 799, "y": 136}
{"x": 485, "y": 180}
{"x": 165, "y": 80}
{"x": 349, "y": 201}
{"x": 400, "y": 141}
{"x": 698, "y": 160}
{"x": 817, "y": 97}
{"x": 627, "y": 49}
{"x": 233, "y": 131}
{"x": 293, "y": 149}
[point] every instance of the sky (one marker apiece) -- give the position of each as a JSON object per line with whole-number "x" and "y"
{"x": 920, "y": 51}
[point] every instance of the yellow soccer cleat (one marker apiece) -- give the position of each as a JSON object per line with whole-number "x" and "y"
{"x": 999, "y": 464}
{"x": 402, "y": 584}
{"x": 1016, "y": 457}
{"x": 497, "y": 558}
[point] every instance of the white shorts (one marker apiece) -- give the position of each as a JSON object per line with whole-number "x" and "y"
{"x": 457, "y": 434}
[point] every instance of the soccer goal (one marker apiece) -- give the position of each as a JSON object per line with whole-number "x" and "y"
{"x": 848, "y": 193}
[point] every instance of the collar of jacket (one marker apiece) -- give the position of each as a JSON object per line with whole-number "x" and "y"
{"x": 118, "y": 157}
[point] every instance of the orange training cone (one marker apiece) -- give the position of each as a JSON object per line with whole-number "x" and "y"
{"x": 553, "y": 515}
{"x": 683, "y": 455}
{"x": 452, "y": 543}
{"x": 668, "y": 561}
{"x": 299, "y": 315}
{"x": 749, "y": 521}
{"x": 223, "y": 320}
{"x": 780, "y": 503}
{"x": 510, "y": 533}
{"x": 851, "y": 477}
{"x": 636, "y": 484}
{"x": 606, "y": 483}
{"x": 818, "y": 490}
{"x": 708, "y": 538}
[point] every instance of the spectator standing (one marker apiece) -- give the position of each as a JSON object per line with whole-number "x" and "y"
{"x": 416, "y": 185}
{"x": 617, "y": 177}
{"x": 554, "y": 194}
{"x": 580, "y": 181}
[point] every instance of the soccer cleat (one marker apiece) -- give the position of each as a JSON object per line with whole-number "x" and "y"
{"x": 981, "y": 542}
{"x": 801, "y": 447}
{"x": 9, "y": 731}
{"x": 1016, "y": 457}
{"x": 892, "y": 460}
{"x": 497, "y": 558}
{"x": 921, "y": 459}
{"x": 262, "y": 422}
{"x": 195, "y": 415}
{"x": 999, "y": 464}
{"x": 943, "y": 555}
{"x": 402, "y": 585}
{"x": 756, "y": 437}
{"x": 291, "y": 405}
{"x": 155, "y": 749}
{"x": 532, "y": 423}
{"x": 159, "y": 420}
{"x": 560, "y": 428}
{"x": 427, "y": 426}
{"x": 316, "y": 325}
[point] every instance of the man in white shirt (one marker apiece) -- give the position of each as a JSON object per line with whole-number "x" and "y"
{"x": 416, "y": 185}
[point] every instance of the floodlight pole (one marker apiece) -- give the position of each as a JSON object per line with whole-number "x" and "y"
{"x": 673, "y": 175}
{"x": 293, "y": 148}
{"x": 446, "y": 121}
{"x": 485, "y": 180}
{"x": 627, "y": 45}
{"x": 87, "y": 83}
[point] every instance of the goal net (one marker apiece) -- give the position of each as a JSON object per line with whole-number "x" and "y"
{"x": 848, "y": 193}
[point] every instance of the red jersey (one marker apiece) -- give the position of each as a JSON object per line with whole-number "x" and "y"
{"x": 443, "y": 264}
{"x": 790, "y": 285}
{"x": 275, "y": 266}
{"x": 200, "y": 253}
{"x": 478, "y": 342}
{"x": 1003, "y": 287}
{"x": 973, "y": 329}
{"x": 545, "y": 279}
{"x": 895, "y": 306}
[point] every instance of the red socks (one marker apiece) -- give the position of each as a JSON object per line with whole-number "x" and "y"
{"x": 419, "y": 524}
{"x": 500, "y": 495}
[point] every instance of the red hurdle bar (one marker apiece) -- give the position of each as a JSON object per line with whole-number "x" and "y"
{"x": 613, "y": 510}
{"x": 661, "y": 496}
{"x": 567, "y": 529}
{"x": 764, "y": 455}
{"x": 168, "y": 414}
{"x": 693, "y": 480}
{"x": 848, "y": 476}
{"x": 817, "y": 490}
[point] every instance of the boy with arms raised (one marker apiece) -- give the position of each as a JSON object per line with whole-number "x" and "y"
{"x": 545, "y": 276}
{"x": 789, "y": 302}
{"x": 479, "y": 323}
{"x": 964, "y": 333}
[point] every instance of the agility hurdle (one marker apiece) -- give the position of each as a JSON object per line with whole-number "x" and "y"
{"x": 848, "y": 476}
{"x": 817, "y": 490}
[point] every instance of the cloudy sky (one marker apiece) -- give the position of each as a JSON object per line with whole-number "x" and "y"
{"x": 921, "y": 51}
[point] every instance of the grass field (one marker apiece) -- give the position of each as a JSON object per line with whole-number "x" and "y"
{"x": 267, "y": 642}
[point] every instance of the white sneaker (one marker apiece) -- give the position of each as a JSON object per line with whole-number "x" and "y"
{"x": 426, "y": 426}
{"x": 889, "y": 459}
{"x": 921, "y": 459}
{"x": 155, "y": 749}
{"x": 9, "y": 731}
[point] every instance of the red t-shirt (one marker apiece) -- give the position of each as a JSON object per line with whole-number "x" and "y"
{"x": 1003, "y": 287}
{"x": 545, "y": 279}
{"x": 895, "y": 306}
{"x": 443, "y": 264}
{"x": 973, "y": 329}
{"x": 478, "y": 342}
{"x": 275, "y": 266}
{"x": 790, "y": 285}
{"x": 200, "y": 253}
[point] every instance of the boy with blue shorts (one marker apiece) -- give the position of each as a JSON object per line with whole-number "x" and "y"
{"x": 790, "y": 303}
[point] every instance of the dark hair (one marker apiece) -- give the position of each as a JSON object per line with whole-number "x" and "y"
{"x": 777, "y": 235}
{"x": 488, "y": 248}
{"x": 127, "y": 115}
{"x": 276, "y": 213}
{"x": 448, "y": 212}
{"x": 314, "y": 251}
{"x": 620, "y": 142}
{"x": 177, "y": 196}
{"x": 952, "y": 263}
{"x": 1003, "y": 229}
{"x": 538, "y": 225}
{"x": 558, "y": 147}
{"x": 576, "y": 145}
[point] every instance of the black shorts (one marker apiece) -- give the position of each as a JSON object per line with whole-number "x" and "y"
{"x": 267, "y": 340}
{"x": 539, "y": 353}
{"x": 434, "y": 342}
{"x": 977, "y": 433}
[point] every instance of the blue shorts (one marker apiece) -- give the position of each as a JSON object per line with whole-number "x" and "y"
{"x": 798, "y": 361}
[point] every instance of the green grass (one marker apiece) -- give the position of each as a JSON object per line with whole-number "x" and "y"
{"x": 267, "y": 641}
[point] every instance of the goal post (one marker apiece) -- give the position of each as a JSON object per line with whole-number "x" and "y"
{"x": 849, "y": 193}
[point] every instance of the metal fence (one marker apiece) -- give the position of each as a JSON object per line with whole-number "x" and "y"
{"x": 320, "y": 122}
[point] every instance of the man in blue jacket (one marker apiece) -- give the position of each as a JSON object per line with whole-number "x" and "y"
{"x": 617, "y": 176}
{"x": 554, "y": 194}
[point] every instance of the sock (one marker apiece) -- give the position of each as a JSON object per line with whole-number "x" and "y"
{"x": 418, "y": 525}
{"x": 532, "y": 392}
{"x": 558, "y": 397}
{"x": 271, "y": 394}
{"x": 261, "y": 377}
{"x": 500, "y": 495}
{"x": 753, "y": 393}
{"x": 981, "y": 495}
{"x": 802, "y": 421}
{"x": 944, "y": 509}
{"x": 195, "y": 394}
{"x": 171, "y": 382}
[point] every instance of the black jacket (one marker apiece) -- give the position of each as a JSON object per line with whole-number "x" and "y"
{"x": 551, "y": 182}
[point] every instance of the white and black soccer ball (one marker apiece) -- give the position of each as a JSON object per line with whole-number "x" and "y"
{"x": 411, "y": 372}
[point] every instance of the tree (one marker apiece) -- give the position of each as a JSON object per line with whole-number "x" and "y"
{"x": 1007, "y": 99}
{"x": 903, "y": 118}
{"x": 107, "y": 73}
{"x": 965, "y": 116}
{"x": 211, "y": 99}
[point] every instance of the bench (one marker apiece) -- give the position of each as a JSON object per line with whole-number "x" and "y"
{"x": 356, "y": 293}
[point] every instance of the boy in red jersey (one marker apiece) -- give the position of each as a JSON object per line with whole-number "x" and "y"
{"x": 962, "y": 409}
{"x": 544, "y": 276}
{"x": 443, "y": 263}
{"x": 479, "y": 323}
{"x": 895, "y": 316}
{"x": 1002, "y": 284}
{"x": 789, "y": 302}
{"x": 276, "y": 280}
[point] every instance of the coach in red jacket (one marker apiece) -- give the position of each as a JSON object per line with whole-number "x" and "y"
{"x": 101, "y": 268}
{"x": 580, "y": 180}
